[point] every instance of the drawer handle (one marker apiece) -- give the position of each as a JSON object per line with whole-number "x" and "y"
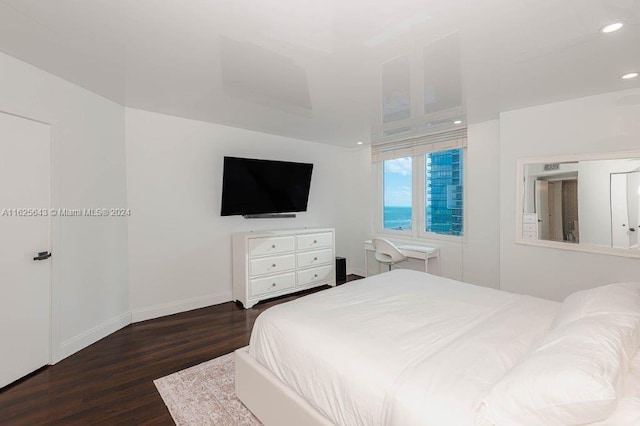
{"x": 273, "y": 266}
{"x": 315, "y": 275}
{"x": 273, "y": 285}
{"x": 315, "y": 258}
{"x": 273, "y": 246}
{"x": 315, "y": 241}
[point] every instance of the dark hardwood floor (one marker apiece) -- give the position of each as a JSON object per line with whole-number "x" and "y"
{"x": 111, "y": 381}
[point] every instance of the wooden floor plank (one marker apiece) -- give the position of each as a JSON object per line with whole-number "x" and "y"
{"x": 111, "y": 381}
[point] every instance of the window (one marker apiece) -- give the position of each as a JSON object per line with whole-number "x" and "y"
{"x": 443, "y": 192}
{"x": 417, "y": 149}
{"x": 397, "y": 194}
{"x": 421, "y": 185}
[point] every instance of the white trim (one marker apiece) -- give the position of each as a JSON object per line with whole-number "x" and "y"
{"x": 572, "y": 158}
{"x": 171, "y": 308}
{"x": 580, "y": 248}
{"x": 86, "y": 338}
{"x": 419, "y": 199}
{"x": 53, "y": 223}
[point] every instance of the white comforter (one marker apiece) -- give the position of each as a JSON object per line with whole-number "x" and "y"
{"x": 400, "y": 348}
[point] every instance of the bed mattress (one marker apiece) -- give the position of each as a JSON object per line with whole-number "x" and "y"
{"x": 402, "y": 347}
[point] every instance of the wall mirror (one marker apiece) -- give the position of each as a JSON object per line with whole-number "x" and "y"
{"x": 584, "y": 202}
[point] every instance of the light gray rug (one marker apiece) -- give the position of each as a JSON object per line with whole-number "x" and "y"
{"x": 205, "y": 395}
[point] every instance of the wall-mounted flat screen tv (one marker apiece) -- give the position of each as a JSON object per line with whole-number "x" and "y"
{"x": 253, "y": 187}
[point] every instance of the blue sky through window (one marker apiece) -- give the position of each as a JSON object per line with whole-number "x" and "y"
{"x": 397, "y": 194}
{"x": 397, "y": 182}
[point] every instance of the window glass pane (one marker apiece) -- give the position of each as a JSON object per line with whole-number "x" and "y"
{"x": 397, "y": 194}
{"x": 443, "y": 197}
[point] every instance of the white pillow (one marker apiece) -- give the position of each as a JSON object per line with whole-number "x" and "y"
{"x": 609, "y": 299}
{"x": 573, "y": 376}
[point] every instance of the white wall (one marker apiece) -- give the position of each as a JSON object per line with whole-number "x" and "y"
{"x": 357, "y": 213}
{"x": 89, "y": 263}
{"x": 481, "y": 252}
{"x": 179, "y": 245}
{"x": 602, "y": 123}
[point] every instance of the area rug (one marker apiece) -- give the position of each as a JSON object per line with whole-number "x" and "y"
{"x": 205, "y": 395}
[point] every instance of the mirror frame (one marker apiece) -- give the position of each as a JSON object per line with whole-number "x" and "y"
{"x": 587, "y": 248}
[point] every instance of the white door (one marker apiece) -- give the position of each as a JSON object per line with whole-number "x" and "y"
{"x": 619, "y": 211}
{"x": 24, "y": 282}
{"x": 542, "y": 209}
{"x": 633, "y": 207}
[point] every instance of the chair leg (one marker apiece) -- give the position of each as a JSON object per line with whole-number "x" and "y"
{"x": 389, "y": 267}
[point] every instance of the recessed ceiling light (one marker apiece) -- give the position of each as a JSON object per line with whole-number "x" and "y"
{"x": 630, "y": 75}
{"x": 359, "y": 142}
{"x": 612, "y": 27}
{"x": 457, "y": 122}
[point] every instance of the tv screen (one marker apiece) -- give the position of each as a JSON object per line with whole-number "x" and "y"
{"x": 251, "y": 186}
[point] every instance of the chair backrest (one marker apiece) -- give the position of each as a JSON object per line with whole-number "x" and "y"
{"x": 386, "y": 251}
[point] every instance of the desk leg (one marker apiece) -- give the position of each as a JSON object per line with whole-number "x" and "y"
{"x": 426, "y": 263}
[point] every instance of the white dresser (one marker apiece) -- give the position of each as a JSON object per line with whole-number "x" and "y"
{"x": 272, "y": 263}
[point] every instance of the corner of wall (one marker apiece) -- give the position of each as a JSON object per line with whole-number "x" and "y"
{"x": 89, "y": 337}
{"x": 143, "y": 314}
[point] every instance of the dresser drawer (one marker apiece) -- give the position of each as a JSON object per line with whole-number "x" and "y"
{"x": 272, "y": 265}
{"x": 308, "y": 276}
{"x": 271, "y": 245}
{"x": 316, "y": 257}
{"x": 529, "y": 227}
{"x": 312, "y": 241}
{"x": 272, "y": 284}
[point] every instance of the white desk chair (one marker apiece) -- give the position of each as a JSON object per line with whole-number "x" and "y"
{"x": 387, "y": 252}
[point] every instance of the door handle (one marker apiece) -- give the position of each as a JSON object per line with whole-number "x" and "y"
{"x": 43, "y": 255}
{"x": 632, "y": 229}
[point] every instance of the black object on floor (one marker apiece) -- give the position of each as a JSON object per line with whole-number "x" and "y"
{"x": 341, "y": 269}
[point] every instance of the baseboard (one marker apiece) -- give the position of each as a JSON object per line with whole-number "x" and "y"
{"x": 89, "y": 337}
{"x": 157, "y": 311}
{"x": 356, "y": 271}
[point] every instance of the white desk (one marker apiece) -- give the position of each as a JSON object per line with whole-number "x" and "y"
{"x": 412, "y": 251}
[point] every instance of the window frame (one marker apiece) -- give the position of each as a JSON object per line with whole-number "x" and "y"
{"x": 422, "y": 233}
{"x": 418, "y": 206}
{"x": 379, "y": 217}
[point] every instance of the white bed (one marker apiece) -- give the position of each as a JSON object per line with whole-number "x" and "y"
{"x": 367, "y": 354}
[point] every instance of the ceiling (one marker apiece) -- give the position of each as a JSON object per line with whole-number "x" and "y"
{"x": 321, "y": 70}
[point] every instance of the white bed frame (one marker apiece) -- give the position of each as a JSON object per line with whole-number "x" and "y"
{"x": 269, "y": 399}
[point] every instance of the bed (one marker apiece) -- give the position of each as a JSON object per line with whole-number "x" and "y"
{"x": 409, "y": 348}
